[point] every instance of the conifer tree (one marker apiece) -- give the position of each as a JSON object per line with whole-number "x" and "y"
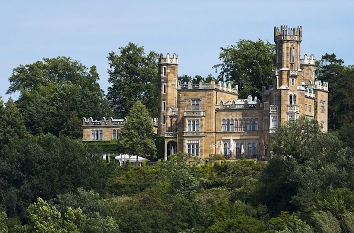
{"x": 137, "y": 133}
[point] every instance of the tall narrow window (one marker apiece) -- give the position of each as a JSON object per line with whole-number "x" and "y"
{"x": 227, "y": 151}
{"x": 164, "y": 120}
{"x": 256, "y": 125}
{"x": 164, "y": 70}
{"x": 163, "y": 105}
{"x": 227, "y": 125}
{"x": 291, "y": 99}
{"x": 164, "y": 88}
{"x": 223, "y": 125}
{"x": 114, "y": 134}
{"x": 195, "y": 104}
{"x": 236, "y": 125}
{"x": 274, "y": 122}
{"x": 232, "y": 126}
{"x": 294, "y": 99}
{"x": 248, "y": 125}
{"x": 292, "y": 55}
{"x": 101, "y": 134}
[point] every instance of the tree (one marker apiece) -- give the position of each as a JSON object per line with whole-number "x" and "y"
{"x": 133, "y": 75}
{"x": 305, "y": 163}
{"x": 56, "y": 93}
{"x": 341, "y": 83}
{"x": 12, "y": 126}
{"x": 47, "y": 166}
{"x": 248, "y": 64}
{"x": 137, "y": 132}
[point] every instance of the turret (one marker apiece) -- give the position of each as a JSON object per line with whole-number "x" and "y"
{"x": 167, "y": 90}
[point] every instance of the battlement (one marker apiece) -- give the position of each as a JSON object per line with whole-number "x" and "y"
{"x": 223, "y": 86}
{"x": 249, "y": 103}
{"x": 168, "y": 59}
{"x": 308, "y": 60}
{"x": 103, "y": 122}
{"x": 319, "y": 85}
{"x": 309, "y": 93}
{"x": 287, "y": 33}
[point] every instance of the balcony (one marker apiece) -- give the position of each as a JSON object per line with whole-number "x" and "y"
{"x": 293, "y": 72}
{"x": 170, "y": 134}
{"x": 293, "y": 108}
{"x": 273, "y": 109}
{"x": 193, "y": 134}
{"x": 192, "y": 113}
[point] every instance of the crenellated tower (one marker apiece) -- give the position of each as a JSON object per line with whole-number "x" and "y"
{"x": 288, "y": 73}
{"x": 167, "y": 92}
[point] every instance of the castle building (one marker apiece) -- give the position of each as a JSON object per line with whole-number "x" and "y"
{"x": 207, "y": 119}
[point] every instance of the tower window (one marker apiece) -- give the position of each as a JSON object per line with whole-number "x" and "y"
{"x": 163, "y": 105}
{"x": 292, "y": 55}
{"x": 164, "y": 71}
{"x": 292, "y": 99}
{"x": 164, "y": 88}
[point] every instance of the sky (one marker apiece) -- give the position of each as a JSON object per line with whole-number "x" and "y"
{"x": 88, "y": 30}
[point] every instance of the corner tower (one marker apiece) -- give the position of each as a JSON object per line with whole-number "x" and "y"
{"x": 288, "y": 73}
{"x": 167, "y": 92}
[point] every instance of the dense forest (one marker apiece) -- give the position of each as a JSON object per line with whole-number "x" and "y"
{"x": 50, "y": 181}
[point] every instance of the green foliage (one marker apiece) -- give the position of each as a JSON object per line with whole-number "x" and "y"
{"x": 305, "y": 163}
{"x": 56, "y": 94}
{"x": 341, "y": 84}
{"x": 45, "y": 218}
{"x": 239, "y": 224}
{"x": 3, "y": 223}
{"x": 12, "y": 127}
{"x": 286, "y": 222}
{"x": 249, "y": 65}
{"x": 46, "y": 166}
{"x": 196, "y": 79}
{"x": 133, "y": 75}
{"x": 325, "y": 222}
{"x": 137, "y": 133}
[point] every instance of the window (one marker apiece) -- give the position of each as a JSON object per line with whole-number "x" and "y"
{"x": 256, "y": 125}
{"x": 195, "y": 104}
{"x": 254, "y": 149}
{"x": 227, "y": 151}
{"x": 97, "y": 134}
{"x": 115, "y": 134}
{"x": 164, "y": 88}
{"x": 228, "y": 125}
{"x": 238, "y": 149}
{"x": 274, "y": 122}
{"x": 236, "y": 125}
{"x": 249, "y": 151}
{"x": 164, "y": 120}
{"x": 223, "y": 128}
{"x": 193, "y": 147}
{"x": 292, "y": 55}
{"x": 193, "y": 125}
{"x": 310, "y": 108}
{"x": 292, "y": 99}
{"x": 248, "y": 125}
{"x": 291, "y": 117}
{"x": 164, "y": 70}
{"x": 163, "y": 105}
{"x": 292, "y": 82}
{"x": 322, "y": 106}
